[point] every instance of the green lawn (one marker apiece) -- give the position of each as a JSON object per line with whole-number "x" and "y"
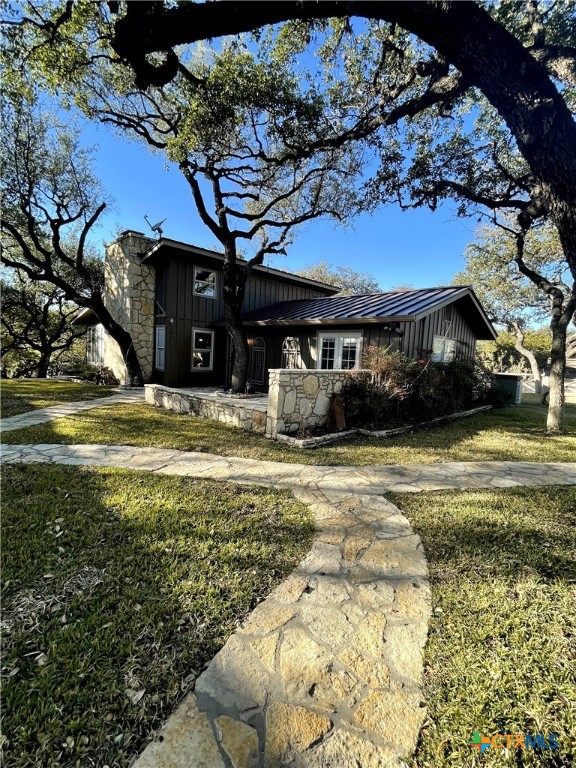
{"x": 501, "y": 656}
{"x": 513, "y": 434}
{"x": 119, "y": 586}
{"x": 21, "y": 395}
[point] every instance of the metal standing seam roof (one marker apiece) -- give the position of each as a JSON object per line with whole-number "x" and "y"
{"x": 394, "y": 305}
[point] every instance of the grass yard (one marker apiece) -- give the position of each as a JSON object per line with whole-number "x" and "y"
{"x": 22, "y": 395}
{"x": 509, "y": 434}
{"x": 118, "y": 587}
{"x": 501, "y": 656}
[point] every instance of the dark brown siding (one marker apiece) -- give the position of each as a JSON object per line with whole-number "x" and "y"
{"x": 185, "y": 311}
{"x": 436, "y": 325}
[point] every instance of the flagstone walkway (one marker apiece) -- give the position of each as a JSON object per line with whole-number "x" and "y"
{"x": 31, "y": 418}
{"x": 327, "y": 671}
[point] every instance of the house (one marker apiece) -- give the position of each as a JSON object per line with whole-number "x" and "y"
{"x": 169, "y": 296}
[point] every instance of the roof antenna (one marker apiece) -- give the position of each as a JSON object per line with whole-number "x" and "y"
{"x": 155, "y": 227}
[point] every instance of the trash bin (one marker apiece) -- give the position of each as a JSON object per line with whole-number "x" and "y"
{"x": 508, "y": 386}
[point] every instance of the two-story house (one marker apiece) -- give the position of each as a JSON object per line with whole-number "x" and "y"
{"x": 169, "y": 296}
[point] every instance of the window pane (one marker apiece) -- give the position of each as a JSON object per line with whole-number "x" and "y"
{"x": 205, "y": 282}
{"x": 328, "y": 353}
{"x": 202, "y": 359}
{"x": 349, "y": 352}
{"x": 202, "y": 340}
{"x": 206, "y": 275}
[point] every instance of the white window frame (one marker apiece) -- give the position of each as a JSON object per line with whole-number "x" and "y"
{"x": 339, "y": 337}
{"x": 205, "y": 282}
{"x": 194, "y": 349}
{"x": 443, "y": 349}
{"x": 160, "y": 330}
{"x": 95, "y": 345}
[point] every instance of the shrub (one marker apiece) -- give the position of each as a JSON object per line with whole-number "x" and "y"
{"x": 402, "y": 391}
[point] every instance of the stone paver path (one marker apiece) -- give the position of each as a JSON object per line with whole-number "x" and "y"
{"x": 327, "y": 671}
{"x": 31, "y": 418}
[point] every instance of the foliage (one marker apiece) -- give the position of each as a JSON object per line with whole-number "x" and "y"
{"x": 509, "y": 434}
{"x": 502, "y": 356}
{"x": 36, "y": 325}
{"x": 347, "y": 279}
{"x": 500, "y": 655}
{"x": 509, "y": 298}
{"x": 119, "y": 587}
{"x": 52, "y": 202}
{"x": 444, "y": 115}
{"x": 403, "y": 391}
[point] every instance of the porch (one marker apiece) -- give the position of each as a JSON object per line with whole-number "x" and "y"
{"x": 245, "y": 411}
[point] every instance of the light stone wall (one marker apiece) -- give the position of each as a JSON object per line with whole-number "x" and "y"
{"x": 300, "y": 399}
{"x": 248, "y": 416}
{"x": 129, "y": 296}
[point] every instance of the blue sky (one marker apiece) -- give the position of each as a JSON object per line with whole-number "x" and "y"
{"x": 419, "y": 248}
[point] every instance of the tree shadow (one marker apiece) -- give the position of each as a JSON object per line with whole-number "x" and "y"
{"x": 182, "y": 562}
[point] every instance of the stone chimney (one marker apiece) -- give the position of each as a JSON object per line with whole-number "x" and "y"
{"x": 129, "y": 295}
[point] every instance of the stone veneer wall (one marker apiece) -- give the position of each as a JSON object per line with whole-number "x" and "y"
{"x": 299, "y": 399}
{"x": 130, "y": 295}
{"x": 249, "y": 417}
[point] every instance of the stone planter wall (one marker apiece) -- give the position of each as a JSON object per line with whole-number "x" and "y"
{"x": 300, "y": 399}
{"x": 251, "y": 417}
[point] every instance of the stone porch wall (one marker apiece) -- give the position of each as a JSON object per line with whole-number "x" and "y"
{"x": 251, "y": 419}
{"x": 300, "y": 399}
{"x": 130, "y": 288}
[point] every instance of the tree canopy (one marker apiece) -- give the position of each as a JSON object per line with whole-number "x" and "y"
{"x": 347, "y": 279}
{"x": 466, "y": 100}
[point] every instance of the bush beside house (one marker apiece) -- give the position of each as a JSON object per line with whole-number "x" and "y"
{"x": 402, "y": 391}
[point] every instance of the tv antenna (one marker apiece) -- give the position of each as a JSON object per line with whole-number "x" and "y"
{"x": 155, "y": 227}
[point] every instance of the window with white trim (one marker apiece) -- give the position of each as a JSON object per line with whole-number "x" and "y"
{"x": 339, "y": 350}
{"x": 95, "y": 345}
{"x": 205, "y": 282}
{"x": 202, "y": 349}
{"x": 160, "y": 348}
{"x": 443, "y": 349}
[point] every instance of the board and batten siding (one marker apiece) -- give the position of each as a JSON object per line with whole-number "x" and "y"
{"x": 186, "y": 311}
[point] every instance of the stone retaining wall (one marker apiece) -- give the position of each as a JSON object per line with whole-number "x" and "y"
{"x": 248, "y": 417}
{"x": 300, "y": 399}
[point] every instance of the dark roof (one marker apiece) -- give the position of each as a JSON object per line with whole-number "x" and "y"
{"x": 393, "y": 306}
{"x": 166, "y": 246}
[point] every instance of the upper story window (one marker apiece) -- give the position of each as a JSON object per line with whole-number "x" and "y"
{"x": 339, "y": 350}
{"x": 205, "y": 282}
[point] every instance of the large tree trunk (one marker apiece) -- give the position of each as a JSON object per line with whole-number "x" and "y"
{"x": 121, "y": 337}
{"x": 235, "y": 276}
{"x": 530, "y": 356}
{"x": 557, "y": 372}
{"x": 42, "y": 366}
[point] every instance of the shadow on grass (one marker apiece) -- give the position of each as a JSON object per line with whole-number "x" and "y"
{"x": 507, "y": 434}
{"x": 500, "y": 655}
{"x": 180, "y": 563}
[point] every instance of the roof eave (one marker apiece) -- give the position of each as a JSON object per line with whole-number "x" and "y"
{"x": 335, "y": 321}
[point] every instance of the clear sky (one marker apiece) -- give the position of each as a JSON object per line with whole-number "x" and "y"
{"x": 419, "y": 248}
